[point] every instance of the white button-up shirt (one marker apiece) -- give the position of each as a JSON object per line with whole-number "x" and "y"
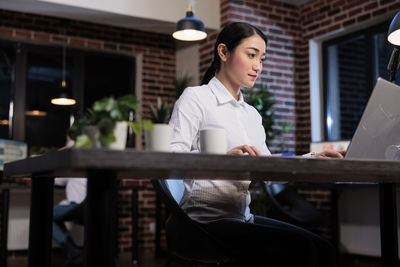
{"x": 212, "y": 106}
{"x": 75, "y": 189}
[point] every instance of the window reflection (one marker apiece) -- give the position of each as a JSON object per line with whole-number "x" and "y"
{"x": 46, "y": 124}
{"x": 352, "y": 65}
{"x": 5, "y": 89}
{"x": 346, "y": 87}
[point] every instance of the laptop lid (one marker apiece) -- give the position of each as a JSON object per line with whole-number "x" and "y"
{"x": 379, "y": 127}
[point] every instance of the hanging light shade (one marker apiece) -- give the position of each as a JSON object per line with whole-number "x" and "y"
{"x": 38, "y": 112}
{"x": 63, "y": 98}
{"x": 36, "y": 108}
{"x": 189, "y": 28}
{"x": 394, "y": 30}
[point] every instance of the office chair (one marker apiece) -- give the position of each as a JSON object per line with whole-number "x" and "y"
{"x": 198, "y": 247}
{"x": 289, "y": 206}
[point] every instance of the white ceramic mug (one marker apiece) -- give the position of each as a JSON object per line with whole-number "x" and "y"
{"x": 159, "y": 138}
{"x": 213, "y": 141}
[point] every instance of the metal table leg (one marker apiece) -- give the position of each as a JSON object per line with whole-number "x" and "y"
{"x": 40, "y": 222}
{"x": 135, "y": 227}
{"x": 388, "y": 224}
{"x": 158, "y": 227}
{"x": 101, "y": 219}
{"x": 4, "y": 226}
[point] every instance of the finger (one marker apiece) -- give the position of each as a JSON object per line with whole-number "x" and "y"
{"x": 343, "y": 152}
{"x": 234, "y": 151}
{"x": 258, "y": 153}
{"x": 249, "y": 150}
{"x": 332, "y": 154}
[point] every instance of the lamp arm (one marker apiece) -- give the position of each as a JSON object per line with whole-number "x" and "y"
{"x": 393, "y": 64}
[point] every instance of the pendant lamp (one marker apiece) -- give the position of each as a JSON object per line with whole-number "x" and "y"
{"x": 394, "y": 30}
{"x": 36, "y": 110}
{"x": 394, "y": 38}
{"x": 190, "y": 28}
{"x": 63, "y": 98}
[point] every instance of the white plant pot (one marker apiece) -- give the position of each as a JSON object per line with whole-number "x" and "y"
{"x": 120, "y": 133}
{"x": 159, "y": 138}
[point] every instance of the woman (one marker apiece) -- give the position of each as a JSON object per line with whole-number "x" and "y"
{"x": 223, "y": 206}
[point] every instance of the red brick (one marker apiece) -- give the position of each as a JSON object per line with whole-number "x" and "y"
{"x": 380, "y": 12}
{"x": 394, "y": 6}
{"x": 23, "y": 34}
{"x": 363, "y": 17}
{"x": 76, "y": 42}
{"x": 355, "y": 12}
{"x": 340, "y": 17}
{"x": 348, "y": 22}
{"x": 384, "y": 2}
{"x": 371, "y": 6}
{"x": 6, "y": 32}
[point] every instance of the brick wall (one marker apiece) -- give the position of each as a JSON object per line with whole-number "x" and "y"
{"x": 158, "y": 80}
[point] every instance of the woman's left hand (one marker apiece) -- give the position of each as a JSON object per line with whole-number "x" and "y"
{"x": 331, "y": 154}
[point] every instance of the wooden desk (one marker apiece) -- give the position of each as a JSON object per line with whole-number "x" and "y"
{"x": 104, "y": 167}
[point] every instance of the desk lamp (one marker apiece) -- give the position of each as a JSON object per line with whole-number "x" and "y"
{"x": 394, "y": 38}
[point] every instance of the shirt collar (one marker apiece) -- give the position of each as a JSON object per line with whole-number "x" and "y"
{"x": 222, "y": 94}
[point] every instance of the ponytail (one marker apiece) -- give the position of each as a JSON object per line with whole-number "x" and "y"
{"x": 210, "y": 73}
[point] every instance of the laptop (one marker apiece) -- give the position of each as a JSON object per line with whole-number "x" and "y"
{"x": 378, "y": 131}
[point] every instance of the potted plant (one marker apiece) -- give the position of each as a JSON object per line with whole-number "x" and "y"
{"x": 105, "y": 124}
{"x": 158, "y": 138}
{"x": 262, "y": 100}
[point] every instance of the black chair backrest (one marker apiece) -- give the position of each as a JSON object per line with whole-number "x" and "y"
{"x": 186, "y": 238}
{"x": 289, "y": 206}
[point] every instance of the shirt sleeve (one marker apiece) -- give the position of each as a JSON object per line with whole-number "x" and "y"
{"x": 60, "y": 181}
{"x": 185, "y": 121}
{"x": 264, "y": 149}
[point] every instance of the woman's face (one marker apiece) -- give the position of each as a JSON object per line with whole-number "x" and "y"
{"x": 245, "y": 63}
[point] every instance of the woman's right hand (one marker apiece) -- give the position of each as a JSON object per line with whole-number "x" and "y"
{"x": 241, "y": 150}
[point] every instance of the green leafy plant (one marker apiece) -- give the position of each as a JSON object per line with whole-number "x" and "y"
{"x": 161, "y": 113}
{"x": 262, "y": 100}
{"x": 98, "y": 122}
{"x": 36, "y": 150}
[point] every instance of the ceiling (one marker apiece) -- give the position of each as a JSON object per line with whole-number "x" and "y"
{"x": 96, "y": 16}
{"x": 89, "y": 15}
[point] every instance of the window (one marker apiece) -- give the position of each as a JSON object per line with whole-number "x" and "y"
{"x": 352, "y": 64}
{"x": 89, "y": 75}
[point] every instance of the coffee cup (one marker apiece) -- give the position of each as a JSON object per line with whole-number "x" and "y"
{"x": 213, "y": 141}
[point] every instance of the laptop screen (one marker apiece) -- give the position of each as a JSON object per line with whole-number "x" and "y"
{"x": 378, "y": 131}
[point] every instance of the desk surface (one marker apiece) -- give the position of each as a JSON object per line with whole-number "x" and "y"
{"x": 144, "y": 164}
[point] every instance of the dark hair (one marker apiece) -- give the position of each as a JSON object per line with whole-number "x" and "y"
{"x": 232, "y": 35}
